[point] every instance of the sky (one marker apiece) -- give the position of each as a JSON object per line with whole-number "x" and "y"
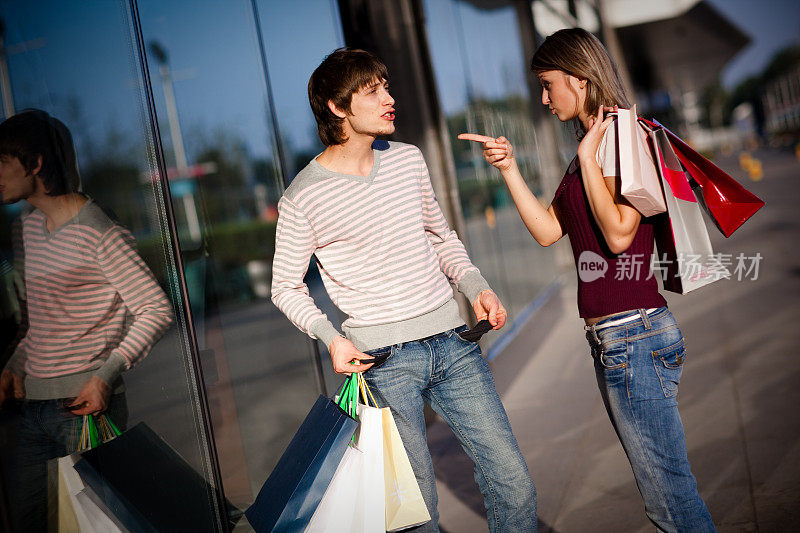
{"x": 771, "y": 25}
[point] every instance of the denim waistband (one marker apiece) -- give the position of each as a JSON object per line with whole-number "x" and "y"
{"x": 459, "y": 329}
{"x": 636, "y": 317}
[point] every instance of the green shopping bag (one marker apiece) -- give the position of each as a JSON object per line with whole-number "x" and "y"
{"x": 95, "y": 432}
{"x": 66, "y": 487}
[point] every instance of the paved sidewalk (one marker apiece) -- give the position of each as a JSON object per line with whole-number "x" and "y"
{"x": 739, "y": 396}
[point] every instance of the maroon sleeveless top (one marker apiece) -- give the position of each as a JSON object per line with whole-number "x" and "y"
{"x": 607, "y": 283}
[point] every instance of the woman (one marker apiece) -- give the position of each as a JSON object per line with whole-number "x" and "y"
{"x": 636, "y": 345}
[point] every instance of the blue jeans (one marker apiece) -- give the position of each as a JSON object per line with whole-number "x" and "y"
{"x": 638, "y": 367}
{"x": 47, "y": 431}
{"x": 450, "y": 374}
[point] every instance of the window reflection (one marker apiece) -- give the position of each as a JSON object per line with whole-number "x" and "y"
{"x": 93, "y": 308}
{"x": 291, "y": 62}
{"x": 226, "y": 176}
{"x": 75, "y": 61}
{"x": 484, "y": 91}
{"x": 289, "y": 74}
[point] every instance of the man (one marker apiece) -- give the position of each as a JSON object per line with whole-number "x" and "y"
{"x": 94, "y": 309}
{"x": 367, "y": 211}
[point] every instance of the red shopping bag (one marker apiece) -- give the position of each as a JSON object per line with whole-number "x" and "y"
{"x": 726, "y": 202}
{"x": 686, "y": 256}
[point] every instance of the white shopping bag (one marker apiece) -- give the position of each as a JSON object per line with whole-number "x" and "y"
{"x": 354, "y": 501}
{"x": 637, "y": 169}
{"x": 79, "y": 510}
{"x": 96, "y": 511}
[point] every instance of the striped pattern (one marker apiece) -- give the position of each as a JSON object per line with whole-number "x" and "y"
{"x": 89, "y": 295}
{"x": 383, "y": 246}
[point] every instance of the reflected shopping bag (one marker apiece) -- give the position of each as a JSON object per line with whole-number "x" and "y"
{"x": 404, "y": 504}
{"x": 293, "y": 490}
{"x": 727, "y": 203}
{"x": 354, "y": 501}
{"x": 71, "y": 514}
{"x": 148, "y": 486}
{"x": 80, "y": 510}
{"x": 640, "y": 184}
{"x": 684, "y": 247}
{"x": 102, "y": 520}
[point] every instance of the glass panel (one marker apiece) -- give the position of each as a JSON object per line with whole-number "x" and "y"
{"x": 226, "y": 178}
{"x": 483, "y": 92}
{"x": 90, "y": 298}
{"x": 289, "y": 74}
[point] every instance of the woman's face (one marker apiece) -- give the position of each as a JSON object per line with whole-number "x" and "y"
{"x": 563, "y": 94}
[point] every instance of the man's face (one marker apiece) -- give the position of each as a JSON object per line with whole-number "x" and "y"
{"x": 371, "y": 111}
{"x": 16, "y": 183}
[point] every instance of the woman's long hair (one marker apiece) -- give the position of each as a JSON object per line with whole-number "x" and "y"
{"x": 581, "y": 54}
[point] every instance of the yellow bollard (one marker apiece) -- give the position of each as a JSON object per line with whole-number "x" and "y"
{"x": 752, "y": 166}
{"x": 491, "y": 221}
{"x": 744, "y": 160}
{"x": 756, "y": 172}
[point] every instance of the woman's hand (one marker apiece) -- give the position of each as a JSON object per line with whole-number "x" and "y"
{"x": 542, "y": 222}
{"x": 498, "y": 152}
{"x": 587, "y": 149}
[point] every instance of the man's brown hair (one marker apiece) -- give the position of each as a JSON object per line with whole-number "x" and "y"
{"x": 340, "y": 75}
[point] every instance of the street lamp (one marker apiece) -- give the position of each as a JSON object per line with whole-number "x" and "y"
{"x": 192, "y": 219}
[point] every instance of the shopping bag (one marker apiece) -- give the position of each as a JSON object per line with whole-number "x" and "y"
{"x": 70, "y": 515}
{"x": 684, "y": 248}
{"x": 98, "y": 515}
{"x": 640, "y": 184}
{"x": 354, "y": 501}
{"x": 67, "y": 519}
{"x": 727, "y": 203}
{"x": 148, "y": 486}
{"x": 79, "y": 509}
{"x": 293, "y": 490}
{"x": 118, "y": 506}
{"x": 405, "y": 506}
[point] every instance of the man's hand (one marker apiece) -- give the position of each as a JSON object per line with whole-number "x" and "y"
{"x": 11, "y": 386}
{"x": 487, "y": 306}
{"x": 93, "y": 398}
{"x": 343, "y": 352}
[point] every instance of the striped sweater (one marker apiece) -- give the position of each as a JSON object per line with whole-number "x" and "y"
{"x": 383, "y": 248}
{"x": 94, "y": 308}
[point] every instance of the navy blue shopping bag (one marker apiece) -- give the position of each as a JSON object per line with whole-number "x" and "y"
{"x": 295, "y": 487}
{"x": 148, "y": 486}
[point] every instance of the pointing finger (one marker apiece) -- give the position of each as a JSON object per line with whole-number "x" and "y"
{"x": 489, "y": 145}
{"x": 475, "y": 137}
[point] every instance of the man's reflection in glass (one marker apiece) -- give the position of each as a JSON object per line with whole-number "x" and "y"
{"x": 94, "y": 308}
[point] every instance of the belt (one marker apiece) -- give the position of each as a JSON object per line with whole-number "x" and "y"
{"x": 620, "y": 321}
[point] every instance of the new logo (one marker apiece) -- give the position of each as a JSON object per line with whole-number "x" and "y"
{"x": 591, "y": 266}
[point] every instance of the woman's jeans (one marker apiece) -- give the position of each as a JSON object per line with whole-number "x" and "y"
{"x": 47, "y": 431}
{"x": 450, "y": 374}
{"x": 638, "y": 366}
